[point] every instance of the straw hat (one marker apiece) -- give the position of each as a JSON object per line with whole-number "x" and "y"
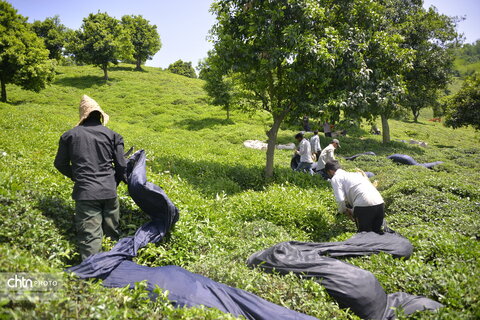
{"x": 87, "y": 105}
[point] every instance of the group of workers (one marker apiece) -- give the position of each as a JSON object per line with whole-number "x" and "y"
{"x": 311, "y": 152}
{"x": 92, "y": 156}
{"x": 356, "y": 196}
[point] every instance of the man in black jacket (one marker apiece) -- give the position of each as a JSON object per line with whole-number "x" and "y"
{"x": 92, "y": 156}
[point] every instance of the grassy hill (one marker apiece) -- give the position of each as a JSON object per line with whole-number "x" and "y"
{"x": 227, "y": 211}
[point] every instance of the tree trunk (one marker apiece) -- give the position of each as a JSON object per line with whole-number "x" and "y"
{"x": 105, "y": 72}
{"x": 139, "y": 65}
{"x": 271, "y": 143}
{"x": 416, "y": 113}
{"x": 385, "y": 129}
{"x": 227, "y": 107}
{"x": 4, "y": 91}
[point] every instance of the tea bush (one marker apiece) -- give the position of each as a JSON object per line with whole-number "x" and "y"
{"x": 228, "y": 212}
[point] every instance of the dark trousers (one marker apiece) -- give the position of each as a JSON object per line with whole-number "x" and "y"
{"x": 369, "y": 218}
{"x": 93, "y": 219}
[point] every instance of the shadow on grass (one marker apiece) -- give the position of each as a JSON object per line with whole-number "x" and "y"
{"x": 17, "y": 102}
{"x": 212, "y": 178}
{"x": 124, "y": 68}
{"x": 353, "y": 145}
{"x": 83, "y": 82}
{"x": 442, "y": 146}
{"x": 62, "y": 215}
{"x": 199, "y": 124}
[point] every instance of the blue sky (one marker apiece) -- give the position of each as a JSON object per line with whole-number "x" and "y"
{"x": 184, "y": 24}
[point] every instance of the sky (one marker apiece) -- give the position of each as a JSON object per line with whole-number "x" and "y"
{"x": 183, "y": 25}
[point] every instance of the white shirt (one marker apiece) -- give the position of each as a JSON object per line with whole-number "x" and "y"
{"x": 327, "y": 154}
{"x": 315, "y": 143}
{"x": 326, "y": 127}
{"x": 305, "y": 151}
{"x": 355, "y": 189}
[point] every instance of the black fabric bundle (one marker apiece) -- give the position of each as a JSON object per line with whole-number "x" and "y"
{"x": 350, "y": 286}
{"x": 185, "y": 288}
{"x": 368, "y": 153}
{"x": 361, "y": 244}
{"x": 405, "y": 159}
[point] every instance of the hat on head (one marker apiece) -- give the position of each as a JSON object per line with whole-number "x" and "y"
{"x": 88, "y": 105}
{"x": 336, "y": 141}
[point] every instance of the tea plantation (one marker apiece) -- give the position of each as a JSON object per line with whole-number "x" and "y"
{"x": 227, "y": 211}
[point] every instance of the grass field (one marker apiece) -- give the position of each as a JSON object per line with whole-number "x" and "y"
{"x": 227, "y": 211}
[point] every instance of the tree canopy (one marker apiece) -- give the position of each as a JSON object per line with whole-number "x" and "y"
{"x": 54, "y": 34}
{"x": 23, "y": 57}
{"x": 218, "y": 85}
{"x": 101, "y": 41}
{"x": 464, "y": 107}
{"x": 144, "y": 38}
{"x": 182, "y": 68}
{"x": 433, "y": 38}
{"x": 299, "y": 57}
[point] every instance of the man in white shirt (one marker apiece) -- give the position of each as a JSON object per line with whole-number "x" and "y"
{"x": 315, "y": 144}
{"x": 305, "y": 152}
{"x": 355, "y": 190}
{"x": 327, "y": 154}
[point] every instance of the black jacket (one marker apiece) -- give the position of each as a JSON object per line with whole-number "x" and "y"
{"x": 92, "y": 156}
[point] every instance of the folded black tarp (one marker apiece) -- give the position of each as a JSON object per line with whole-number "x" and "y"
{"x": 368, "y": 153}
{"x": 350, "y": 286}
{"x": 361, "y": 244}
{"x": 405, "y": 159}
{"x": 185, "y": 288}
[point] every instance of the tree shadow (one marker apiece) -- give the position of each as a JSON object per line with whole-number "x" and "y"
{"x": 442, "y": 146}
{"x": 354, "y": 145}
{"x": 212, "y": 178}
{"x": 17, "y": 102}
{"x": 199, "y": 124}
{"x": 83, "y": 82}
{"x": 413, "y": 122}
{"x": 125, "y": 68}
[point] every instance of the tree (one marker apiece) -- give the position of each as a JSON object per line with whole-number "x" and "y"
{"x": 182, "y": 68}
{"x": 218, "y": 85}
{"x": 397, "y": 53}
{"x": 464, "y": 107}
{"x": 282, "y": 52}
{"x": 101, "y": 41}
{"x": 144, "y": 38}
{"x": 54, "y": 35}
{"x": 432, "y": 36}
{"x": 23, "y": 57}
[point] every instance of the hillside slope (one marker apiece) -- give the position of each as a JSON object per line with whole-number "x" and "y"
{"x": 227, "y": 212}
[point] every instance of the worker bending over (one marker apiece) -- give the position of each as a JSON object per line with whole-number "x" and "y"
{"x": 357, "y": 197}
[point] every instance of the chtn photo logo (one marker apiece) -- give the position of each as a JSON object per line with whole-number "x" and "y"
{"x": 43, "y": 285}
{"x": 20, "y": 282}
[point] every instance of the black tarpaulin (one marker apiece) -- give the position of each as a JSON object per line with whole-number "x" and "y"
{"x": 350, "y": 286}
{"x": 406, "y": 159}
{"x": 361, "y": 244}
{"x": 368, "y": 153}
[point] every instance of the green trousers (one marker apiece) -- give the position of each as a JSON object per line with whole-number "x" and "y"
{"x": 93, "y": 219}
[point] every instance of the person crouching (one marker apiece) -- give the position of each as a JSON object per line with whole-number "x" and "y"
{"x": 355, "y": 190}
